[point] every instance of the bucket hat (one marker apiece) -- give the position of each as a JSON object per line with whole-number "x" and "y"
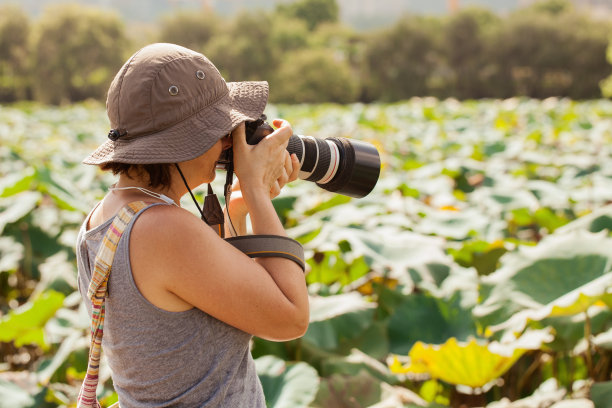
{"x": 169, "y": 104}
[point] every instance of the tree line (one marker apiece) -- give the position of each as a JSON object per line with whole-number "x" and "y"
{"x": 72, "y": 52}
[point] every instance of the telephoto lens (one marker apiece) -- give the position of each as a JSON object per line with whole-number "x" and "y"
{"x": 336, "y": 164}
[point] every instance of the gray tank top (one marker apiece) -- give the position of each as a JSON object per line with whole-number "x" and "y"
{"x": 160, "y": 358}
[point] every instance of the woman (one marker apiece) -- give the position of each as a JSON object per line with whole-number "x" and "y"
{"x": 182, "y": 303}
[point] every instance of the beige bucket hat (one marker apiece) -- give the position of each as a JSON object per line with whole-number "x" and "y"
{"x": 170, "y": 104}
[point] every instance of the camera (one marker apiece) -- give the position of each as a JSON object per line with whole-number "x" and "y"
{"x": 336, "y": 164}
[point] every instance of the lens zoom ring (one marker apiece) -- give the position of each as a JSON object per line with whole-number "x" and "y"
{"x": 310, "y": 154}
{"x": 323, "y": 163}
{"x": 295, "y": 146}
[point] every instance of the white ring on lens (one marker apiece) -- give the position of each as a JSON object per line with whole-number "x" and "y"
{"x": 305, "y": 174}
{"x": 303, "y": 150}
{"x": 334, "y": 163}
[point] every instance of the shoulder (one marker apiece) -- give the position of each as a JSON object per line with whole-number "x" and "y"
{"x": 168, "y": 225}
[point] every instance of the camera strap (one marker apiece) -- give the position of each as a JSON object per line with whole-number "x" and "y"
{"x": 254, "y": 246}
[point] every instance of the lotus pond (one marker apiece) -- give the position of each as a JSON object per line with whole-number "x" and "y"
{"x": 477, "y": 273}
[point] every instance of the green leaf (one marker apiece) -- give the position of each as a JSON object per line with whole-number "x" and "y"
{"x": 564, "y": 274}
{"x": 13, "y": 396}
{"x": 481, "y": 255}
{"x": 69, "y": 345}
{"x": 430, "y": 320}
{"x": 569, "y": 330}
{"x": 287, "y": 385}
{"x": 355, "y": 362}
{"x": 601, "y": 394}
{"x": 16, "y": 183}
{"x": 283, "y": 205}
{"x": 11, "y": 254}
{"x": 452, "y": 224}
{"x": 337, "y": 322}
{"x": 17, "y": 206}
{"x": 25, "y": 324}
{"x": 59, "y": 188}
{"x": 342, "y": 390}
{"x": 598, "y": 220}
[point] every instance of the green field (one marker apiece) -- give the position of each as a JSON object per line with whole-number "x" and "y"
{"x": 478, "y": 271}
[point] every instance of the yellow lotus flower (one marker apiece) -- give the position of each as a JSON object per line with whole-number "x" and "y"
{"x": 471, "y": 363}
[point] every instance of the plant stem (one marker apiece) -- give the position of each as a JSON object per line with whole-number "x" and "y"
{"x": 587, "y": 335}
{"x": 527, "y": 375}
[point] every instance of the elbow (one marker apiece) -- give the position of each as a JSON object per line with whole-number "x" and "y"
{"x": 293, "y": 326}
{"x": 301, "y": 326}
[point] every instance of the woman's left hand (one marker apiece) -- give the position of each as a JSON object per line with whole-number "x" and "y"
{"x": 289, "y": 173}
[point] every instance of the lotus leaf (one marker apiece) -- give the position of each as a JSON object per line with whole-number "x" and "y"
{"x": 336, "y": 321}
{"x": 563, "y": 274}
{"x": 11, "y": 253}
{"x": 287, "y": 385}
{"x": 596, "y": 221}
{"x": 25, "y": 325}
{"x": 13, "y": 396}
{"x": 423, "y": 318}
{"x": 601, "y": 394}
{"x": 453, "y": 224}
{"x": 341, "y": 390}
{"x": 545, "y": 395}
{"x": 16, "y": 207}
{"x": 354, "y": 363}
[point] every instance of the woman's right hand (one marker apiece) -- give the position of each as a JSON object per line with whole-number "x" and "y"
{"x": 260, "y": 167}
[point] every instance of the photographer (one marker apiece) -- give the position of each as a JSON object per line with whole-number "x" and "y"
{"x": 181, "y": 303}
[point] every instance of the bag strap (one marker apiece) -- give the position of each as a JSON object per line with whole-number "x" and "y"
{"x": 253, "y": 246}
{"x": 97, "y": 292}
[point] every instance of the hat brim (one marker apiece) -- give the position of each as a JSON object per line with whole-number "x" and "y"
{"x": 186, "y": 140}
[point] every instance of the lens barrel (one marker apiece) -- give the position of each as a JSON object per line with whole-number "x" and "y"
{"x": 336, "y": 164}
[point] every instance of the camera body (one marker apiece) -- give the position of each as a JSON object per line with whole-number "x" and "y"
{"x": 336, "y": 164}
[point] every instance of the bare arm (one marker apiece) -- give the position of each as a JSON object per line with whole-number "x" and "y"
{"x": 267, "y": 298}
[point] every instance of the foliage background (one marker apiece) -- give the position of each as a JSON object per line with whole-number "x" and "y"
{"x": 476, "y": 273}
{"x": 71, "y": 52}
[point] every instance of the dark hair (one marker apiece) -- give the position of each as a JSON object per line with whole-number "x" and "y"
{"x": 159, "y": 174}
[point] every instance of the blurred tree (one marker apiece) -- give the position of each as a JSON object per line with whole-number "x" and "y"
{"x": 313, "y": 12}
{"x": 288, "y": 34}
{"x": 606, "y": 84}
{"x": 399, "y": 62}
{"x": 586, "y": 55}
{"x": 314, "y": 76}
{"x": 77, "y": 52}
{"x": 551, "y": 7}
{"x": 544, "y": 55}
{"x": 189, "y": 29}
{"x": 14, "y": 37}
{"x": 466, "y": 37}
{"x": 340, "y": 38}
{"x": 243, "y": 49}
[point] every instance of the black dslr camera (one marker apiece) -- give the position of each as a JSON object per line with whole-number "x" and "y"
{"x": 336, "y": 164}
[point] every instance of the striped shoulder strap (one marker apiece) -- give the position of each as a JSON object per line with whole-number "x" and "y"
{"x": 97, "y": 292}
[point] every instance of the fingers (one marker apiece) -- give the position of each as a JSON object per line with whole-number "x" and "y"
{"x": 275, "y": 189}
{"x": 295, "y": 167}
